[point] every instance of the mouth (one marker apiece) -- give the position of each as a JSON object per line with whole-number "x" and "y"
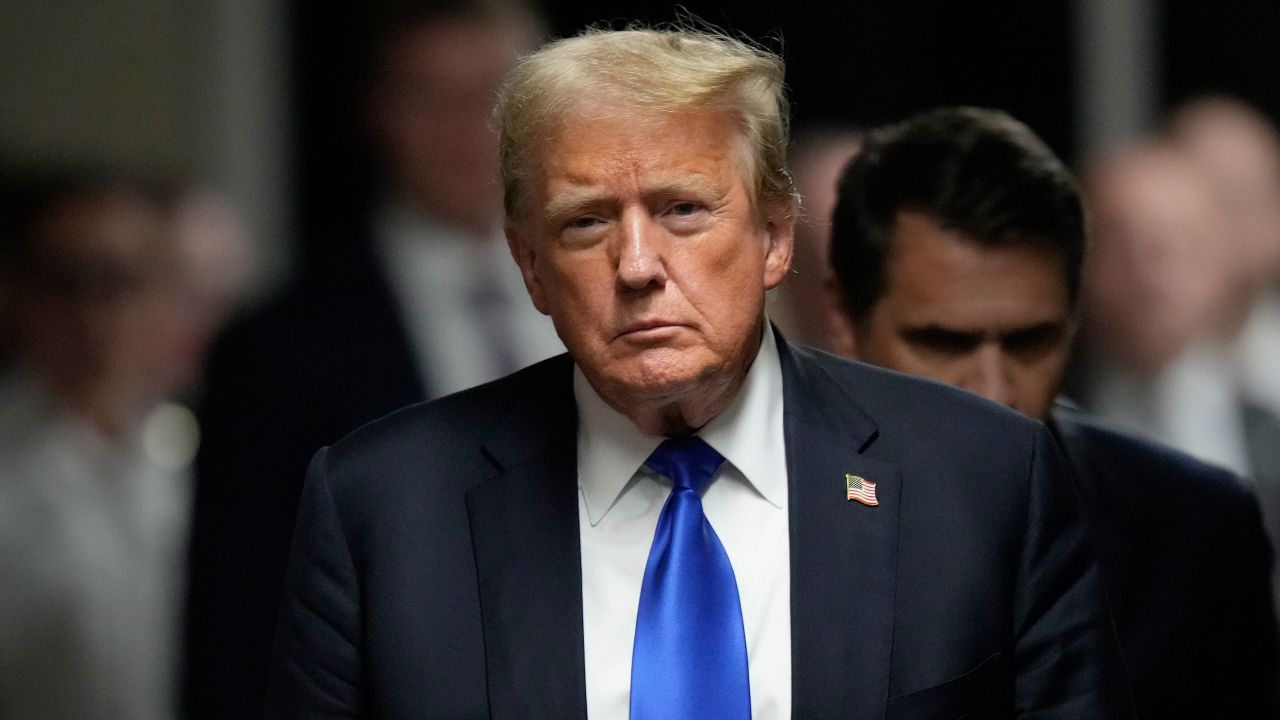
{"x": 648, "y": 330}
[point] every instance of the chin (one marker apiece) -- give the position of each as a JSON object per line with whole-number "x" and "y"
{"x": 665, "y": 377}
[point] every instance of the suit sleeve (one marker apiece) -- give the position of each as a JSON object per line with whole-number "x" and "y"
{"x": 1067, "y": 657}
{"x": 1247, "y": 656}
{"x": 316, "y": 664}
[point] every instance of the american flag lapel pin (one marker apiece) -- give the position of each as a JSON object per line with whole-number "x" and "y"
{"x": 861, "y": 489}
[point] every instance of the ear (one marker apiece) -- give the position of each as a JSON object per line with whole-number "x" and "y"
{"x": 843, "y": 330}
{"x": 780, "y": 235}
{"x": 521, "y": 244}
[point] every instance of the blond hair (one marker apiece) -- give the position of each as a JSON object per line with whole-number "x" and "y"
{"x": 652, "y": 72}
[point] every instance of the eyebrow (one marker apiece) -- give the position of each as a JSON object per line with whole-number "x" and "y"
{"x": 1039, "y": 331}
{"x": 689, "y": 185}
{"x": 935, "y": 332}
{"x": 574, "y": 199}
{"x": 571, "y": 201}
{"x": 932, "y": 333}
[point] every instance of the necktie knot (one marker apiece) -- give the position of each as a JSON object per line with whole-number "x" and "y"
{"x": 688, "y": 461}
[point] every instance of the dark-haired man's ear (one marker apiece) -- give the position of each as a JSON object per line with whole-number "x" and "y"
{"x": 839, "y": 320}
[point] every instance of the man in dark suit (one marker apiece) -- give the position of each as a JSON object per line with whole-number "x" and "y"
{"x": 413, "y": 306}
{"x": 684, "y": 517}
{"x": 957, "y": 243}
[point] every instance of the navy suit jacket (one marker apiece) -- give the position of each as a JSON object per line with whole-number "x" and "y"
{"x": 436, "y": 573}
{"x": 1187, "y": 567}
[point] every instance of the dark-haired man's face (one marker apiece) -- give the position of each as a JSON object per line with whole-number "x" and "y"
{"x": 995, "y": 321}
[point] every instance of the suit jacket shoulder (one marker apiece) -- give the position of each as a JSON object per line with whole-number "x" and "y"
{"x": 443, "y": 541}
{"x": 436, "y": 566}
{"x": 919, "y": 422}
{"x": 462, "y": 438}
{"x": 972, "y": 567}
{"x": 1187, "y": 568}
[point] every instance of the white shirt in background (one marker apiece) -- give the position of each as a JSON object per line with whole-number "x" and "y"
{"x": 1258, "y": 353}
{"x": 436, "y": 271}
{"x": 92, "y": 541}
{"x": 1192, "y": 405}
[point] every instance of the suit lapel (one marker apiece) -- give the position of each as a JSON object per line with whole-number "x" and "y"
{"x": 1104, "y": 498}
{"x": 524, "y": 530}
{"x": 843, "y": 553}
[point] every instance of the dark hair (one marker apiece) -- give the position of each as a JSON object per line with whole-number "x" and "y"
{"x": 973, "y": 170}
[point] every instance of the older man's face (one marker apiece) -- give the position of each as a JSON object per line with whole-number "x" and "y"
{"x": 641, "y": 241}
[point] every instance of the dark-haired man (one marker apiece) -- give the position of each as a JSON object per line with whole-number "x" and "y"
{"x": 957, "y": 244}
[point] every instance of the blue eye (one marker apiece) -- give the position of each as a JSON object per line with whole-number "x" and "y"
{"x": 583, "y": 222}
{"x": 685, "y": 208}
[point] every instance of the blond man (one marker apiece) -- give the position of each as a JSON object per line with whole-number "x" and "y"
{"x": 685, "y": 516}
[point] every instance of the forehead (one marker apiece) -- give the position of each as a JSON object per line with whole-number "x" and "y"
{"x": 597, "y": 145}
{"x": 936, "y": 275}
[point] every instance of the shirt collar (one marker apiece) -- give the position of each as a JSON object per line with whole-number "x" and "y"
{"x": 748, "y": 433}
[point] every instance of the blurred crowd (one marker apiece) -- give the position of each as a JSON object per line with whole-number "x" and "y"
{"x": 1179, "y": 327}
{"x": 113, "y": 287}
{"x": 1180, "y": 336}
{"x": 155, "y": 429}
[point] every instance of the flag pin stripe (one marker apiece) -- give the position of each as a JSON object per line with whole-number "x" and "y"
{"x": 860, "y": 489}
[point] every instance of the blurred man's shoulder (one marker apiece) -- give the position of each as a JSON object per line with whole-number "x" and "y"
{"x": 1144, "y": 468}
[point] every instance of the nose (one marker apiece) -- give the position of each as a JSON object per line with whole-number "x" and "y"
{"x": 991, "y": 375}
{"x": 641, "y": 262}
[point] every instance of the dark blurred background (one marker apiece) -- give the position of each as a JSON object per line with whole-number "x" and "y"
{"x": 260, "y": 97}
{"x": 1083, "y": 74}
{"x": 258, "y": 115}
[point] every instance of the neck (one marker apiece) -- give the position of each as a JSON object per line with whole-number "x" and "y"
{"x": 688, "y": 414}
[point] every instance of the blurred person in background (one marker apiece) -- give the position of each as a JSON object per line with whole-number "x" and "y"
{"x": 1166, "y": 290}
{"x": 799, "y": 305}
{"x": 1239, "y": 151}
{"x": 426, "y": 303}
{"x": 957, "y": 243}
{"x": 112, "y": 301}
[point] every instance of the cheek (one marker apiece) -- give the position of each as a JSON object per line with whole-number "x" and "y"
{"x": 1048, "y": 371}
{"x": 1038, "y": 378}
{"x": 952, "y": 370}
{"x": 577, "y": 276}
{"x": 577, "y": 291}
{"x": 729, "y": 277}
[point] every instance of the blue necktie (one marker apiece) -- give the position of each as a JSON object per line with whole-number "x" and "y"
{"x": 690, "y": 655}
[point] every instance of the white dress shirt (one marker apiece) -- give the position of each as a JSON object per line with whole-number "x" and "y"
{"x": 435, "y": 270}
{"x": 1193, "y": 404}
{"x": 1258, "y": 353}
{"x": 92, "y": 536}
{"x": 619, "y": 501}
